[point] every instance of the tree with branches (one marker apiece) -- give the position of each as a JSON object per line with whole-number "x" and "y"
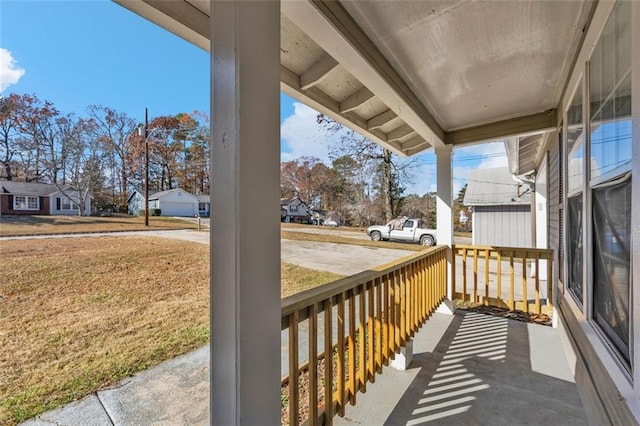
{"x": 386, "y": 172}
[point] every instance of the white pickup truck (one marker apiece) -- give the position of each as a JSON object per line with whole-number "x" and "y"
{"x": 403, "y": 229}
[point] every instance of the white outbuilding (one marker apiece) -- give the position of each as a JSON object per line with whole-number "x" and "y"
{"x": 174, "y": 202}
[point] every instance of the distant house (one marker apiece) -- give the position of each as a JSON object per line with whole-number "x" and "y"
{"x": 135, "y": 202}
{"x": 27, "y": 198}
{"x": 294, "y": 210}
{"x": 174, "y": 202}
{"x": 204, "y": 205}
{"x": 501, "y": 208}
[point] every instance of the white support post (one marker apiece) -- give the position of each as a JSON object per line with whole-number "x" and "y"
{"x": 444, "y": 213}
{"x": 245, "y": 250}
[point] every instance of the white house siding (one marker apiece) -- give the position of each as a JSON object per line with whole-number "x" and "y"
{"x": 176, "y": 202}
{"x": 136, "y": 203}
{"x": 172, "y": 208}
{"x": 508, "y": 226}
{"x": 295, "y": 210}
{"x": 69, "y": 212}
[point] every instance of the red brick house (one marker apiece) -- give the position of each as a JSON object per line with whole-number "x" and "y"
{"x": 28, "y": 198}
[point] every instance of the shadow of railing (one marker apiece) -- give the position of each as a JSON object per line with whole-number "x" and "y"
{"x": 481, "y": 373}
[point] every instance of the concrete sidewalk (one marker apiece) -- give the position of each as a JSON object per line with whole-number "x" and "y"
{"x": 176, "y": 392}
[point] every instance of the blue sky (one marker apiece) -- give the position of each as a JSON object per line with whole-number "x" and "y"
{"x": 95, "y": 52}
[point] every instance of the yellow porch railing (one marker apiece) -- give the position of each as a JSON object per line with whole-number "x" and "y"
{"x": 362, "y": 322}
{"x": 503, "y": 277}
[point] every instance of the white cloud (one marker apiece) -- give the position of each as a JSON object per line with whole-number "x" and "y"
{"x": 10, "y": 73}
{"x": 303, "y": 136}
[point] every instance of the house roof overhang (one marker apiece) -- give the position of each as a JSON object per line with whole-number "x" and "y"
{"x": 414, "y": 75}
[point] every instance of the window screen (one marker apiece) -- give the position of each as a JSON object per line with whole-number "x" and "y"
{"x": 574, "y": 247}
{"x": 611, "y": 262}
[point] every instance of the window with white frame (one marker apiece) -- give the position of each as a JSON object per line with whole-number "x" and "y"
{"x": 610, "y": 146}
{"x": 293, "y": 208}
{"x": 26, "y": 203}
{"x": 66, "y": 204}
{"x": 575, "y": 164}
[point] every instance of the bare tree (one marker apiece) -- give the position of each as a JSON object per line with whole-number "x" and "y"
{"x": 9, "y": 115}
{"x": 389, "y": 174}
{"x": 113, "y": 131}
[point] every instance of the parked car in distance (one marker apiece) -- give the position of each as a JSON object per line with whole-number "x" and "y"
{"x": 403, "y": 229}
{"x": 330, "y": 222}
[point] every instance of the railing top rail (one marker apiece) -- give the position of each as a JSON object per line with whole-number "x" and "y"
{"x": 502, "y": 249}
{"x": 306, "y": 298}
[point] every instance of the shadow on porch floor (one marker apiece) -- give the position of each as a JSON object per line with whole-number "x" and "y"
{"x": 475, "y": 369}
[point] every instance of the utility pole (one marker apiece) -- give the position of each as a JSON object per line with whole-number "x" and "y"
{"x": 145, "y": 134}
{"x": 146, "y": 168}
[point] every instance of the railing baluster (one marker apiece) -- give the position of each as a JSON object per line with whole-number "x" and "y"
{"x": 351, "y": 343}
{"x": 341, "y": 368}
{"x": 362, "y": 342}
{"x": 499, "y": 279}
{"x": 411, "y": 301}
{"x": 537, "y": 284}
{"x": 525, "y": 295}
{"x": 404, "y": 308}
{"x": 475, "y": 275}
{"x": 293, "y": 369}
{"x": 371, "y": 353}
{"x": 486, "y": 277}
{"x": 420, "y": 291}
{"x": 386, "y": 330}
{"x": 425, "y": 290}
{"x": 397, "y": 284}
{"x": 328, "y": 363}
{"x": 512, "y": 283}
{"x": 464, "y": 274}
{"x": 313, "y": 365}
{"x": 454, "y": 252}
{"x": 438, "y": 288}
{"x": 379, "y": 324}
{"x": 433, "y": 284}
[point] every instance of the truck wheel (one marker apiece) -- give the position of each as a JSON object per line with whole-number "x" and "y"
{"x": 427, "y": 240}
{"x": 376, "y": 236}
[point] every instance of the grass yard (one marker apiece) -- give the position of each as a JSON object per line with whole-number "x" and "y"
{"x": 43, "y": 225}
{"x": 80, "y": 314}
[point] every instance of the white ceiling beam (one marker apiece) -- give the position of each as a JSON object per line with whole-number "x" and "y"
{"x": 356, "y": 100}
{"x": 400, "y": 133}
{"x": 335, "y": 31}
{"x": 411, "y": 151}
{"x": 317, "y": 72}
{"x": 177, "y": 17}
{"x": 518, "y": 126}
{"x": 324, "y": 104}
{"x": 412, "y": 143}
{"x": 381, "y": 119}
{"x": 289, "y": 78}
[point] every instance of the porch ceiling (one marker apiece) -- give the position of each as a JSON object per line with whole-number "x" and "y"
{"x": 415, "y": 74}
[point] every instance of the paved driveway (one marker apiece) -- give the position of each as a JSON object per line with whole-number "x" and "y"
{"x": 341, "y": 259}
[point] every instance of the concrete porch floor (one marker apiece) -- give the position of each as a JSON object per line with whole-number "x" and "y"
{"x": 474, "y": 369}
